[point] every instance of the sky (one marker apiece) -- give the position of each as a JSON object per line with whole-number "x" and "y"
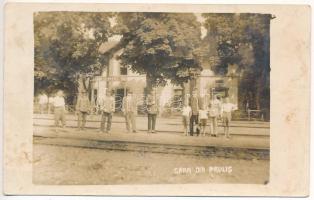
{"x": 201, "y": 20}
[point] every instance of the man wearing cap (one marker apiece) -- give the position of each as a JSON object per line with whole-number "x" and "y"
{"x": 129, "y": 109}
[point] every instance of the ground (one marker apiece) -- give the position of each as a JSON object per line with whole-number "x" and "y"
{"x": 74, "y": 157}
{"x": 68, "y": 165}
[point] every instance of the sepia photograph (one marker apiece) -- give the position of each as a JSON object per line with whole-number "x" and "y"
{"x": 126, "y": 98}
{"x": 151, "y": 100}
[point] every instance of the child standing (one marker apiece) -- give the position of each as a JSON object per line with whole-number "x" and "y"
{"x": 226, "y": 109}
{"x": 186, "y": 115}
{"x": 203, "y": 119}
{"x": 214, "y": 112}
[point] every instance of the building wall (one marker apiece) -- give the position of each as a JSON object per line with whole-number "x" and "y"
{"x": 121, "y": 84}
{"x": 117, "y": 83}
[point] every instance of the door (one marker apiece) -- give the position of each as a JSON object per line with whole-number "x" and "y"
{"x": 119, "y": 94}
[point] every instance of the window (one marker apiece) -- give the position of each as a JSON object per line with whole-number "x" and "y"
{"x": 123, "y": 71}
{"x": 219, "y": 83}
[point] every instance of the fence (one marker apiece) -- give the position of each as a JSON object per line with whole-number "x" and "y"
{"x": 172, "y": 108}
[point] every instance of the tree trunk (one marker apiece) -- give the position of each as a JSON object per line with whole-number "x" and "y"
{"x": 259, "y": 89}
{"x": 149, "y": 85}
{"x": 183, "y": 93}
{"x": 257, "y": 99}
{"x": 192, "y": 85}
{"x": 107, "y": 78}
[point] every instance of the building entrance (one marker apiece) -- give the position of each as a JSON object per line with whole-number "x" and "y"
{"x": 119, "y": 95}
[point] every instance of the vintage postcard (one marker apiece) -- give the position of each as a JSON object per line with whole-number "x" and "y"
{"x": 148, "y": 99}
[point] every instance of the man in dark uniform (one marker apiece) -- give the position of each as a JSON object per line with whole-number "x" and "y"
{"x": 194, "y": 102}
{"x": 152, "y": 110}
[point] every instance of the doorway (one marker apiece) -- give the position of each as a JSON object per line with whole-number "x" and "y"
{"x": 119, "y": 95}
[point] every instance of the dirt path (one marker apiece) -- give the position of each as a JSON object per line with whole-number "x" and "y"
{"x": 67, "y": 165}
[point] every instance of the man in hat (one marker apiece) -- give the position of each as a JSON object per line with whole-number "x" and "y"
{"x": 194, "y": 102}
{"x": 152, "y": 110}
{"x": 43, "y": 101}
{"x": 82, "y": 109}
{"x": 59, "y": 109}
{"x": 129, "y": 109}
{"x": 107, "y": 107}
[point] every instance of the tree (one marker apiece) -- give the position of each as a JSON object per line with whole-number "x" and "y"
{"x": 161, "y": 45}
{"x": 67, "y": 44}
{"x": 243, "y": 39}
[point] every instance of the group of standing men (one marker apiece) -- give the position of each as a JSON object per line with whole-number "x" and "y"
{"x": 129, "y": 109}
{"x": 195, "y": 112}
{"x": 107, "y": 108}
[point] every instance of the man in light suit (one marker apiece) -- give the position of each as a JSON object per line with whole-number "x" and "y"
{"x": 129, "y": 109}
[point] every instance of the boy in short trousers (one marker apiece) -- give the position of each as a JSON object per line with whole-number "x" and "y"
{"x": 226, "y": 109}
{"x": 203, "y": 116}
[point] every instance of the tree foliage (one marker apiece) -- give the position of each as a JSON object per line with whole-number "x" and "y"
{"x": 161, "y": 45}
{"x": 66, "y": 44}
{"x": 243, "y": 39}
